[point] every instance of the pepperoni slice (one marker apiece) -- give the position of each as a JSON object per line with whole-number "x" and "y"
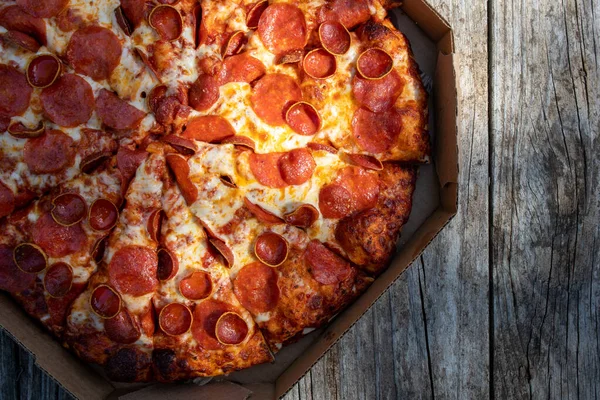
{"x": 132, "y": 270}
{"x": 7, "y": 200}
{"x": 184, "y": 146}
{"x": 256, "y": 287}
{"x": 303, "y": 118}
{"x": 105, "y": 301}
{"x": 13, "y": 18}
{"x": 42, "y": 9}
{"x": 69, "y": 101}
{"x": 302, "y": 217}
{"x": 12, "y": 279}
{"x": 14, "y": 92}
{"x": 181, "y": 170}
{"x": 167, "y": 264}
{"x": 203, "y": 93}
{"x": 84, "y": 56}
{"x": 175, "y": 319}
{"x": 376, "y": 132}
{"x": 58, "y": 279}
{"x": 335, "y": 201}
{"x": 22, "y": 40}
{"x": 69, "y": 209}
{"x": 134, "y": 10}
{"x": 30, "y": 258}
{"x": 128, "y": 161}
{"x": 154, "y": 225}
{"x": 324, "y": 265}
{"x": 282, "y": 28}
{"x": 117, "y": 113}
{"x": 362, "y": 184}
{"x": 334, "y": 37}
{"x": 206, "y": 315}
{"x": 241, "y": 68}
{"x": 378, "y": 95}
{"x": 349, "y": 12}
{"x": 43, "y": 70}
{"x": 49, "y": 153}
{"x": 254, "y": 13}
{"x": 231, "y": 329}
{"x": 224, "y": 250}
{"x": 235, "y": 44}
{"x": 98, "y": 249}
{"x": 122, "y": 328}
{"x": 58, "y": 240}
{"x": 365, "y": 161}
{"x": 196, "y": 286}
{"x": 93, "y": 161}
{"x": 272, "y": 95}
{"x": 271, "y": 249}
{"x": 208, "y": 128}
{"x": 296, "y": 166}
{"x": 321, "y": 147}
{"x": 319, "y": 64}
{"x": 166, "y": 21}
{"x": 265, "y": 168}
{"x": 261, "y": 214}
{"x": 374, "y": 63}
{"x": 103, "y": 215}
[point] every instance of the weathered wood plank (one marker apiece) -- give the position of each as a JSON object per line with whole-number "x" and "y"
{"x": 9, "y": 369}
{"x": 546, "y": 176}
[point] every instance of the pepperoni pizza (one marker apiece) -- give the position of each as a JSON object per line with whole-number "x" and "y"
{"x": 186, "y": 186}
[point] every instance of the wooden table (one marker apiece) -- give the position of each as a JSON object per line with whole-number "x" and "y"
{"x": 505, "y": 303}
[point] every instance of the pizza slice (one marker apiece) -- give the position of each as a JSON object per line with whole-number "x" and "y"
{"x": 203, "y": 329}
{"x": 112, "y": 322}
{"x": 50, "y": 249}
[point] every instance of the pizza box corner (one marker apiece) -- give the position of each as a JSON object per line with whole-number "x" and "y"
{"x": 436, "y": 197}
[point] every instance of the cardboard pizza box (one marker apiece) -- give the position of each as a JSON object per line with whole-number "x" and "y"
{"x": 435, "y": 204}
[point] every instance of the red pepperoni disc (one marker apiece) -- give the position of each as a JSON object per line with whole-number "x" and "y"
{"x": 69, "y": 101}
{"x": 132, "y": 270}
{"x": 376, "y": 132}
{"x": 22, "y": 40}
{"x": 58, "y": 279}
{"x": 231, "y": 329}
{"x": 13, "y": 18}
{"x": 303, "y": 216}
{"x": 20, "y": 131}
{"x": 303, "y": 118}
{"x": 282, "y": 28}
{"x": 271, "y": 249}
{"x": 134, "y": 10}
{"x": 261, "y": 214}
{"x": 241, "y": 68}
{"x": 128, "y": 161}
{"x": 58, "y": 240}
{"x": 84, "y": 55}
{"x": 14, "y": 92}
{"x": 254, "y": 13}
{"x": 324, "y": 265}
{"x": 374, "y": 63}
{"x": 196, "y": 286}
{"x": 296, "y": 166}
{"x": 349, "y": 12}
{"x": 105, "y": 302}
{"x": 181, "y": 169}
{"x": 272, "y": 95}
{"x": 43, "y": 70}
{"x": 175, "y": 319}
{"x": 7, "y": 200}
{"x": 265, "y": 168}
{"x": 122, "y": 328}
{"x": 12, "y": 279}
{"x": 362, "y": 184}
{"x": 103, "y": 215}
{"x": 167, "y": 264}
{"x": 235, "y": 44}
{"x": 319, "y": 64}
{"x": 69, "y": 209}
{"x": 203, "y": 93}
{"x": 335, "y": 201}
{"x": 334, "y": 37}
{"x": 117, "y": 113}
{"x": 206, "y": 315}
{"x": 256, "y": 287}
{"x": 49, "y": 153}
{"x": 380, "y": 94}
{"x": 30, "y": 258}
{"x": 167, "y": 22}
{"x": 208, "y": 128}
{"x": 43, "y": 8}
{"x": 154, "y": 225}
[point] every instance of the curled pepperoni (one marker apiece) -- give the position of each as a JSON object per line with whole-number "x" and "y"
{"x": 117, "y": 113}
{"x": 105, "y": 301}
{"x": 203, "y": 93}
{"x": 49, "y": 153}
{"x": 206, "y": 315}
{"x": 14, "y": 92}
{"x": 122, "y": 328}
{"x": 321, "y": 147}
{"x": 181, "y": 170}
{"x": 7, "y": 200}
{"x": 282, "y": 28}
{"x": 196, "y": 286}
{"x": 325, "y": 266}
{"x": 84, "y": 55}
{"x": 167, "y": 22}
{"x": 208, "y": 128}
{"x": 43, "y": 9}
{"x": 69, "y": 101}
{"x": 380, "y": 94}
{"x": 22, "y": 40}
{"x": 302, "y": 217}
{"x": 98, "y": 249}
{"x": 154, "y": 225}
{"x": 334, "y": 37}
{"x": 57, "y": 240}
{"x": 175, "y": 319}
{"x": 128, "y": 161}
{"x": 132, "y": 270}
{"x": 335, "y": 201}
{"x": 182, "y": 145}
{"x": 303, "y": 118}
{"x": 254, "y": 13}
{"x": 349, "y": 12}
{"x": 93, "y": 161}
{"x": 374, "y": 63}
{"x": 256, "y": 287}
{"x": 319, "y": 64}
{"x": 30, "y": 258}
{"x": 13, "y": 18}
{"x": 235, "y": 44}
{"x": 103, "y": 215}
{"x": 271, "y": 249}
{"x": 362, "y": 184}
{"x": 365, "y": 161}
{"x": 239, "y": 140}
{"x": 231, "y": 329}
{"x": 272, "y": 95}
{"x": 134, "y": 10}
{"x": 376, "y": 132}
{"x": 43, "y": 70}
{"x": 261, "y": 214}
{"x": 168, "y": 106}
{"x": 224, "y": 250}
{"x": 69, "y": 209}
{"x": 122, "y": 21}
{"x": 296, "y": 166}
{"x": 167, "y": 264}
{"x": 12, "y": 279}
{"x": 241, "y": 68}
{"x": 58, "y": 279}
{"x": 265, "y": 168}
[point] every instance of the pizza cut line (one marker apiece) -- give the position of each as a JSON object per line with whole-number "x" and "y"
{"x": 187, "y": 186}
